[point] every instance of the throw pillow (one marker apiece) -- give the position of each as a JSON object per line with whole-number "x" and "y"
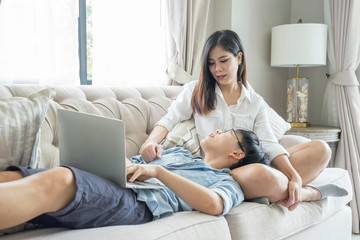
{"x": 277, "y": 123}
{"x": 20, "y": 123}
{"x": 183, "y": 135}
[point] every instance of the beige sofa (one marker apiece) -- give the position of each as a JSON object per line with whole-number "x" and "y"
{"x": 141, "y": 108}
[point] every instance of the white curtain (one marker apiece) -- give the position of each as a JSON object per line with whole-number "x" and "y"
{"x": 39, "y": 41}
{"x": 128, "y": 43}
{"x": 187, "y": 21}
{"x": 342, "y": 98}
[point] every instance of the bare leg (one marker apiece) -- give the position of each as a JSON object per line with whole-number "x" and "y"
{"x": 309, "y": 159}
{"x": 258, "y": 180}
{"x": 29, "y": 197}
{"x": 310, "y": 194}
{"x": 8, "y": 176}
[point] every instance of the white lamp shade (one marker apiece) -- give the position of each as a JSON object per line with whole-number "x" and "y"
{"x": 301, "y": 44}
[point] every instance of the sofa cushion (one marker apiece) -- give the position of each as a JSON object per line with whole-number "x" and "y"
{"x": 259, "y": 221}
{"x": 290, "y": 140}
{"x": 182, "y": 225}
{"x": 20, "y": 123}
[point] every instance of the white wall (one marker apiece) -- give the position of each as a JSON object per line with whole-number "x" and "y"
{"x": 222, "y": 14}
{"x": 253, "y": 21}
{"x": 311, "y": 11}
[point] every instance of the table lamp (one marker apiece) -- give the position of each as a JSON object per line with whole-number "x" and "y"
{"x": 298, "y": 45}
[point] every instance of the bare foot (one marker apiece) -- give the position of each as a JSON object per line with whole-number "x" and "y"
{"x": 310, "y": 194}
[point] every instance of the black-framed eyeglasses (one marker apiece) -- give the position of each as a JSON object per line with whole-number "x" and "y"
{"x": 237, "y": 138}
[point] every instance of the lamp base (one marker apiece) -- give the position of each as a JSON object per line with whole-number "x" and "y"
{"x": 297, "y": 100}
{"x": 300, "y": 124}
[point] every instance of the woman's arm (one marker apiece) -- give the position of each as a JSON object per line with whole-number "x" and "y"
{"x": 198, "y": 197}
{"x": 263, "y": 130}
{"x": 279, "y": 156}
{"x": 179, "y": 110}
{"x": 152, "y": 149}
{"x": 282, "y": 163}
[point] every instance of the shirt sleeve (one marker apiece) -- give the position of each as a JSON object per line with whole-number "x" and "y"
{"x": 180, "y": 109}
{"x": 265, "y": 134}
{"x": 230, "y": 192}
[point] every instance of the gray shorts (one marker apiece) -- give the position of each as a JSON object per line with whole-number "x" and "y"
{"x": 98, "y": 202}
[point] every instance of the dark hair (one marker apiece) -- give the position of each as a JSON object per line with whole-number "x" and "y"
{"x": 252, "y": 149}
{"x": 203, "y": 98}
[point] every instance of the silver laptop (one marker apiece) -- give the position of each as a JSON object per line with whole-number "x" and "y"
{"x": 95, "y": 144}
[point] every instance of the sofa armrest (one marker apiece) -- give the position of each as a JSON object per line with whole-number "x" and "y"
{"x": 290, "y": 140}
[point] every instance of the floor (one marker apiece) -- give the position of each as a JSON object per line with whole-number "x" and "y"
{"x": 355, "y": 237}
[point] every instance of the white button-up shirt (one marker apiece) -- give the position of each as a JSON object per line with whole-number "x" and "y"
{"x": 249, "y": 113}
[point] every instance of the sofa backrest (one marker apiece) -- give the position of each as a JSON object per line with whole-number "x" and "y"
{"x": 139, "y": 108}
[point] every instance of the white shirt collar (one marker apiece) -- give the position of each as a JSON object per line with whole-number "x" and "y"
{"x": 244, "y": 93}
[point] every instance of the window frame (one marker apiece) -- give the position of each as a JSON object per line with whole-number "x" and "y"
{"x": 83, "y": 44}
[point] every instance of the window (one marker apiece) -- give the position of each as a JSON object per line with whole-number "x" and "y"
{"x": 121, "y": 43}
{"x": 39, "y": 42}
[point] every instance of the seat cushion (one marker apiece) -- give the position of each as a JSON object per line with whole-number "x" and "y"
{"x": 259, "y": 221}
{"x": 182, "y": 225}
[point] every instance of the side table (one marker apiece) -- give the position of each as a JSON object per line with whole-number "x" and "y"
{"x": 331, "y": 135}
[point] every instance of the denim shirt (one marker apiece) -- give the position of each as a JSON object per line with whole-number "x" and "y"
{"x": 163, "y": 202}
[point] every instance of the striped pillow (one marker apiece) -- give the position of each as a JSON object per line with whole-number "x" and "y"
{"x": 20, "y": 123}
{"x": 183, "y": 135}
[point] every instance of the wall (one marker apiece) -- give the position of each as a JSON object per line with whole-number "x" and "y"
{"x": 253, "y": 21}
{"x": 311, "y": 11}
{"x": 222, "y": 14}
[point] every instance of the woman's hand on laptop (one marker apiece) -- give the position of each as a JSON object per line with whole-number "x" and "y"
{"x": 141, "y": 172}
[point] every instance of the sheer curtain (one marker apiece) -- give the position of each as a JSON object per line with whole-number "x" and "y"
{"x": 39, "y": 41}
{"x": 343, "y": 20}
{"x": 186, "y": 28}
{"x": 128, "y": 43}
